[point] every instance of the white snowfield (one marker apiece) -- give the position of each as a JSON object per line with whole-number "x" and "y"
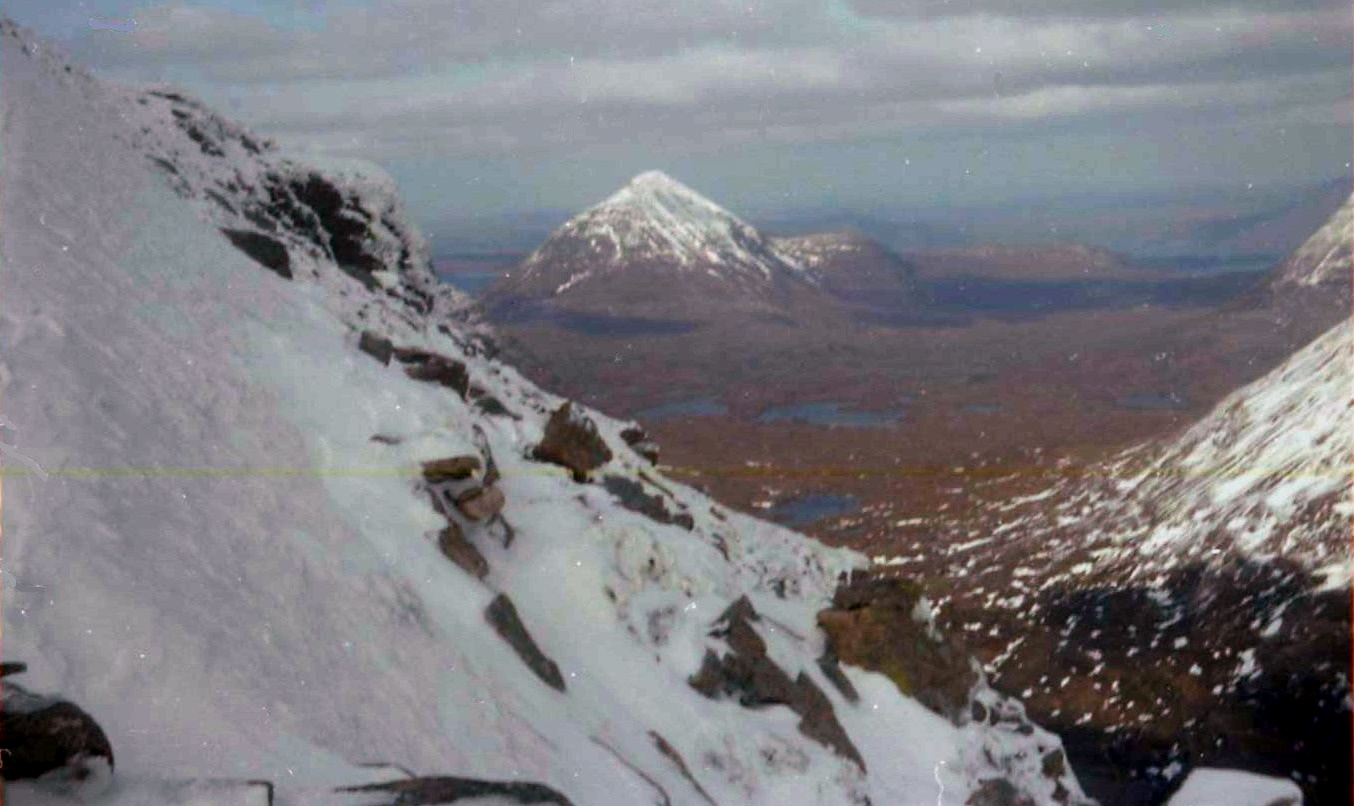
{"x": 238, "y": 582}
{"x": 1215, "y": 787}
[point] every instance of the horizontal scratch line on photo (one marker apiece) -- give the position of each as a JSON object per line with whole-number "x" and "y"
{"x": 920, "y": 471}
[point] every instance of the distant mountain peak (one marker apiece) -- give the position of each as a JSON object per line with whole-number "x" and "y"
{"x": 660, "y": 248}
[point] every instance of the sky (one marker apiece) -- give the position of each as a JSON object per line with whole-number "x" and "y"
{"x": 496, "y": 109}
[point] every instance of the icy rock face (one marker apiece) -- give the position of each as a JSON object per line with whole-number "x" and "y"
{"x": 246, "y": 559}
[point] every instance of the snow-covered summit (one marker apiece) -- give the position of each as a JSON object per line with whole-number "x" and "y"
{"x": 283, "y": 519}
{"x": 655, "y": 217}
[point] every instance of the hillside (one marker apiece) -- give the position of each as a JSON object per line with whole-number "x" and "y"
{"x": 280, "y": 522}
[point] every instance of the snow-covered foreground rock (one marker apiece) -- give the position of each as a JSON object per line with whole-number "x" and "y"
{"x": 273, "y": 514}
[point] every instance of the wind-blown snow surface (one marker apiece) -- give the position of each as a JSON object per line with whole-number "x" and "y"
{"x": 1325, "y": 258}
{"x": 236, "y": 580}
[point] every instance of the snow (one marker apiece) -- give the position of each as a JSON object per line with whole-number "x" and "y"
{"x": 1217, "y": 787}
{"x": 238, "y": 582}
{"x": 1260, "y": 457}
{"x": 1325, "y": 257}
{"x": 656, "y": 218}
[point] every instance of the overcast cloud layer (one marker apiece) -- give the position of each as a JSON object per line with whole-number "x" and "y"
{"x": 450, "y": 91}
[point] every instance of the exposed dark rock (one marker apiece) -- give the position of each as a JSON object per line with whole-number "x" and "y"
{"x": 422, "y": 365}
{"x": 502, "y": 614}
{"x": 998, "y": 792}
{"x": 264, "y": 250}
{"x": 457, "y": 548}
{"x": 481, "y": 503}
{"x": 1054, "y": 764}
{"x": 493, "y": 407}
{"x": 41, "y": 735}
{"x": 571, "y": 440}
{"x": 748, "y": 674}
{"x": 429, "y": 791}
{"x": 7, "y": 669}
{"x": 632, "y": 495}
{"x": 454, "y": 468}
{"x": 871, "y": 625}
{"x": 638, "y": 440}
{"x": 832, "y": 670}
{"x": 378, "y": 347}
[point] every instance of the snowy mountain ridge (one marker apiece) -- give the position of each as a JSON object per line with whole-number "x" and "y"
{"x": 295, "y": 521}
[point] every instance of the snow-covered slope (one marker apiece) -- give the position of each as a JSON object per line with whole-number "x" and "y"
{"x": 1188, "y": 601}
{"x": 1325, "y": 258}
{"x": 1266, "y": 475}
{"x": 656, "y": 248}
{"x": 228, "y": 373}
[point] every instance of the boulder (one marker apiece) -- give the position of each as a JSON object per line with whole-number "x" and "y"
{"x": 42, "y": 735}
{"x": 571, "y": 440}
{"x": 502, "y": 615}
{"x": 457, "y": 548}
{"x": 376, "y": 346}
{"x": 481, "y": 503}
{"x": 454, "y": 468}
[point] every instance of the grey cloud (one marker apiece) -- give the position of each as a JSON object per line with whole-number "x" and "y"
{"x": 1079, "y": 9}
{"x": 401, "y": 77}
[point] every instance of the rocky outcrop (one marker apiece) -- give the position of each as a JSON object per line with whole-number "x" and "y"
{"x": 571, "y": 440}
{"x": 43, "y": 735}
{"x": 748, "y": 674}
{"x": 877, "y": 622}
{"x": 446, "y": 789}
{"x": 502, "y": 616}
